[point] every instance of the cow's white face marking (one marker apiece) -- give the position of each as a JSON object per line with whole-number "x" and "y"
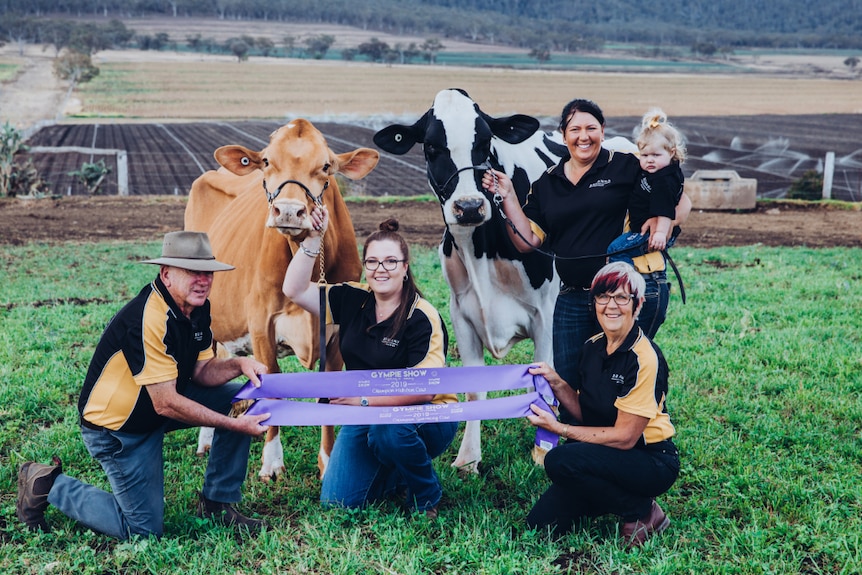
{"x": 458, "y": 116}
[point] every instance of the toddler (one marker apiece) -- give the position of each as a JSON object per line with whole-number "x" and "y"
{"x": 652, "y": 203}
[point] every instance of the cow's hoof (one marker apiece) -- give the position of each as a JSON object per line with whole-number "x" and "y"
{"x": 273, "y": 474}
{"x": 467, "y": 469}
{"x": 539, "y": 454}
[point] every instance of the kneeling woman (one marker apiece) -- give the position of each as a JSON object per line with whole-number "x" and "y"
{"x": 620, "y": 456}
{"x": 384, "y": 324}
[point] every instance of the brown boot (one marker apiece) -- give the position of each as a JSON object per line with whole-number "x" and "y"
{"x": 226, "y": 514}
{"x": 635, "y": 533}
{"x": 34, "y": 483}
{"x": 430, "y": 513}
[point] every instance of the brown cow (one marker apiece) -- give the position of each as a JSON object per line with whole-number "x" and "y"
{"x": 250, "y": 313}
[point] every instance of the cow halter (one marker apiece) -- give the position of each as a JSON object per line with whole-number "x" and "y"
{"x": 318, "y": 200}
{"x": 484, "y": 166}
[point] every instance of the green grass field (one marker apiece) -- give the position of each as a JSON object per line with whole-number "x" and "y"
{"x": 766, "y": 373}
{"x": 7, "y": 71}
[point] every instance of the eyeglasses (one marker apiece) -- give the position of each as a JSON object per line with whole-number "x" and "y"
{"x": 620, "y": 299}
{"x": 389, "y": 264}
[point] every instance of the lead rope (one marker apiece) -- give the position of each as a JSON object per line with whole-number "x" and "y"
{"x": 321, "y": 285}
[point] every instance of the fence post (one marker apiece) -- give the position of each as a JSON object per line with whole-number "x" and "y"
{"x": 122, "y": 173}
{"x": 828, "y": 170}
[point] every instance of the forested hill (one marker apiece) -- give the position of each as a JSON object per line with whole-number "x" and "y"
{"x": 553, "y": 24}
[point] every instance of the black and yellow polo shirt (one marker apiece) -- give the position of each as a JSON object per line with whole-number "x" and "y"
{"x": 365, "y": 344}
{"x": 632, "y": 379}
{"x": 148, "y": 341}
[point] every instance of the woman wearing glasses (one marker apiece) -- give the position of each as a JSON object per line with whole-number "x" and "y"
{"x": 618, "y": 454}
{"x": 383, "y": 324}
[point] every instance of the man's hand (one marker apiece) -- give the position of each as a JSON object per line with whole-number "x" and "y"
{"x": 251, "y": 424}
{"x": 251, "y": 368}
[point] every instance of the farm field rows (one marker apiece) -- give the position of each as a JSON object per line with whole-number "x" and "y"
{"x": 165, "y": 158}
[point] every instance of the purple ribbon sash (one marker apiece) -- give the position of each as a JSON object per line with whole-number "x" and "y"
{"x": 277, "y": 387}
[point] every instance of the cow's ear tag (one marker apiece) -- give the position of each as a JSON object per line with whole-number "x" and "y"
{"x": 245, "y": 161}
{"x": 398, "y": 137}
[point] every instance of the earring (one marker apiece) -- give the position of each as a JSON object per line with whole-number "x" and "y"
{"x": 406, "y": 275}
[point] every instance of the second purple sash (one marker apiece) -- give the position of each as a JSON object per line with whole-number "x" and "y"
{"x": 275, "y": 388}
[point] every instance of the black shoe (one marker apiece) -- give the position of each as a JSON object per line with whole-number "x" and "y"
{"x": 226, "y": 514}
{"x": 34, "y": 483}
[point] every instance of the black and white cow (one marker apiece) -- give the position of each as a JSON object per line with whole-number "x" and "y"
{"x": 498, "y": 296}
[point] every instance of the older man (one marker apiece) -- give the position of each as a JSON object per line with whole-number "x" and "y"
{"x": 153, "y": 371}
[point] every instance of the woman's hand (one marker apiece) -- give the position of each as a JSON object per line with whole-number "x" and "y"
{"x": 543, "y": 419}
{"x": 558, "y": 384}
{"x": 503, "y": 185}
{"x": 564, "y": 393}
{"x": 319, "y": 221}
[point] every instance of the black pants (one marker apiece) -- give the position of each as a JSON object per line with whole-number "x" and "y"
{"x": 590, "y": 480}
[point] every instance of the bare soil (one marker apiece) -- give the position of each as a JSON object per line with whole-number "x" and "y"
{"x": 147, "y": 218}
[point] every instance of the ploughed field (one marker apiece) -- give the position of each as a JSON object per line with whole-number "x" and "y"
{"x": 164, "y": 159}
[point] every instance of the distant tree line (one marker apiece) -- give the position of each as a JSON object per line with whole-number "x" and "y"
{"x": 560, "y": 25}
{"x": 81, "y": 39}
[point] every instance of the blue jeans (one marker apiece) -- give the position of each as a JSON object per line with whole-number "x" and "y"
{"x": 654, "y": 309}
{"x": 588, "y": 480}
{"x": 574, "y": 323}
{"x": 134, "y": 465}
{"x": 630, "y": 245}
{"x": 369, "y": 462}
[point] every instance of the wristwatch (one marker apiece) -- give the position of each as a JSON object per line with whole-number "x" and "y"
{"x": 363, "y": 401}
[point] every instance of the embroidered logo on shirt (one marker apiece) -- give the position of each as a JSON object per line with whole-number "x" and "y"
{"x": 600, "y": 183}
{"x": 645, "y": 186}
{"x": 199, "y": 336}
{"x": 389, "y": 342}
{"x": 618, "y": 378}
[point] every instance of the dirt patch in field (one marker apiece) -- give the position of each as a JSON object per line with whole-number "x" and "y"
{"x": 147, "y": 218}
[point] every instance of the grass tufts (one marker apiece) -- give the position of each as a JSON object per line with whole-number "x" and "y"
{"x": 766, "y": 371}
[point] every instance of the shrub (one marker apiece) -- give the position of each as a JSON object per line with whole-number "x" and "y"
{"x": 808, "y": 187}
{"x": 26, "y": 181}
{"x": 11, "y": 142}
{"x": 91, "y": 175}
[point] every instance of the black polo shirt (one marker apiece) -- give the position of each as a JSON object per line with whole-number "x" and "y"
{"x": 582, "y": 220}
{"x": 148, "y": 341}
{"x": 632, "y": 379}
{"x": 656, "y": 195}
{"x": 366, "y": 344}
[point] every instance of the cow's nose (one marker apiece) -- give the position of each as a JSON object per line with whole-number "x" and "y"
{"x": 469, "y": 211}
{"x": 288, "y": 215}
{"x": 288, "y": 211}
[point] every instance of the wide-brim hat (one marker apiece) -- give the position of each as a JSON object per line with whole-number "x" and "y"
{"x": 190, "y": 251}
